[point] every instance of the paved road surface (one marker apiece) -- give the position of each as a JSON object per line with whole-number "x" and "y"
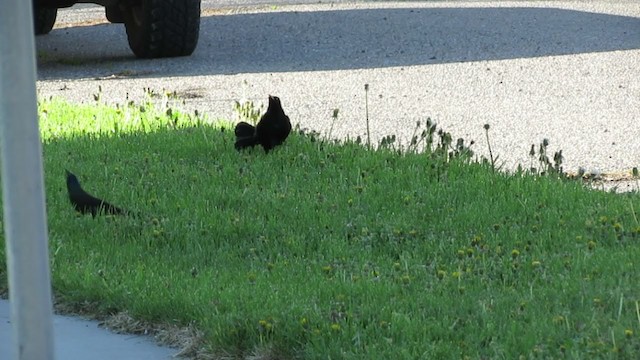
{"x": 566, "y": 71}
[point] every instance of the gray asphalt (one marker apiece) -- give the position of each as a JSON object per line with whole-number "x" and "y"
{"x": 78, "y": 339}
{"x": 566, "y": 71}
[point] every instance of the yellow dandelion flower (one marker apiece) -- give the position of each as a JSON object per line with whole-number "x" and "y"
{"x": 597, "y": 301}
{"x": 335, "y": 327}
{"x": 617, "y": 227}
{"x": 628, "y": 333}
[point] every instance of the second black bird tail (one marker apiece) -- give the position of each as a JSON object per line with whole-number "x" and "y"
{"x": 245, "y": 135}
{"x": 244, "y": 129}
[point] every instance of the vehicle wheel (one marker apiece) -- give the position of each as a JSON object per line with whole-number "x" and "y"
{"x": 43, "y": 19}
{"x": 162, "y": 28}
{"x": 114, "y": 14}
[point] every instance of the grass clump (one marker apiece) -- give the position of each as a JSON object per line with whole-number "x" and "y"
{"x": 328, "y": 250}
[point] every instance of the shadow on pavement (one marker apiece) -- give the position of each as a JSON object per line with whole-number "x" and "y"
{"x": 343, "y": 39}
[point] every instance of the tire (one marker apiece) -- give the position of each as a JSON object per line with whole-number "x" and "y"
{"x": 114, "y": 14}
{"x": 43, "y": 19}
{"x": 162, "y": 28}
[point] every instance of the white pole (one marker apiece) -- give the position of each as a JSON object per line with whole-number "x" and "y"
{"x": 23, "y": 187}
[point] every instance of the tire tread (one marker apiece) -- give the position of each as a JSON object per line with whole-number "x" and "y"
{"x": 170, "y": 28}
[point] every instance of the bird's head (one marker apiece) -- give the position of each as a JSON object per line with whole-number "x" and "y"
{"x": 273, "y": 99}
{"x": 72, "y": 180}
{"x": 274, "y": 103}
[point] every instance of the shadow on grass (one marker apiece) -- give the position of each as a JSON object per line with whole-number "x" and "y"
{"x": 344, "y": 39}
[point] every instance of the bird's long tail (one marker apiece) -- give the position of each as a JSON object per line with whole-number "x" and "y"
{"x": 113, "y": 210}
{"x": 245, "y": 135}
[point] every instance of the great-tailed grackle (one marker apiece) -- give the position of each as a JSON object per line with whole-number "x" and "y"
{"x": 272, "y": 129}
{"x": 85, "y": 203}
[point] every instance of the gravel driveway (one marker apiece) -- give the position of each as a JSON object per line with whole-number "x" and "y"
{"x": 566, "y": 71}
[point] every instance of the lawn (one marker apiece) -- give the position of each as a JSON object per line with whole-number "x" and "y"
{"x": 325, "y": 250}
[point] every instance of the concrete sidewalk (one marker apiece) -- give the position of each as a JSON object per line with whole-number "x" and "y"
{"x": 76, "y": 338}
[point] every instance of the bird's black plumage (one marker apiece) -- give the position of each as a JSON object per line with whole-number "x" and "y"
{"x": 85, "y": 203}
{"x": 272, "y": 129}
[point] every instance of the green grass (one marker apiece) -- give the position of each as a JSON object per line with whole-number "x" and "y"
{"x": 321, "y": 250}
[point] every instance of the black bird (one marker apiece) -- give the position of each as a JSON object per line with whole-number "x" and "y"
{"x": 85, "y": 203}
{"x": 272, "y": 129}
